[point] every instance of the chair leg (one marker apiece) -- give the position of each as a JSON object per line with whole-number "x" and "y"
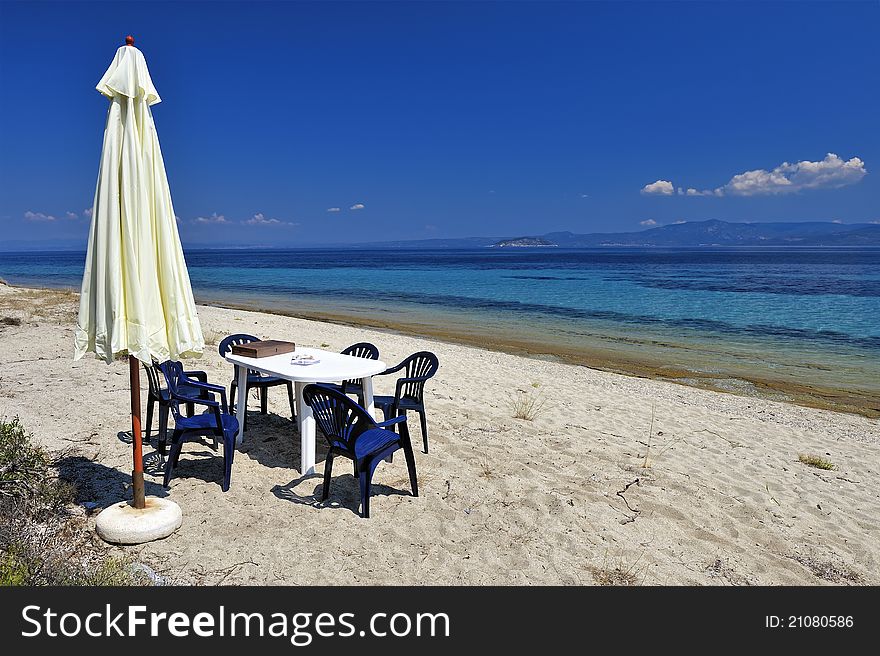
{"x": 150, "y": 404}
{"x": 424, "y": 421}
{"x": 163, "y": 428}
{"x": 364, "y": 479}
{"x": 190, "y": 409}
{"x": 233, "y": 387}
{"x": 264, "y": 400}
{"x": 410, "y": 459}
{"x": 328, "y": 469}
{"x": 176, "y": 444}
{"x": 228, "y": 456}
{"x": 290, "y": 400}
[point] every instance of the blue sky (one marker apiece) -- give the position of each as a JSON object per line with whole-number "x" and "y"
{"x": 450, "y": 119}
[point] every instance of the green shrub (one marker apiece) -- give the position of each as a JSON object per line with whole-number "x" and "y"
{"x": 41, "y": 543}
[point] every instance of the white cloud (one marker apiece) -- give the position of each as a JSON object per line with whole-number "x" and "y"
{"x": 177, "y": 218}
{"x": 829, "y": 173}
{"x": 71, "y": 215}
{"x": 88, "y": 212}
{"x": 334, "y": 209}
{"x": 214, "y": 218}
{"x": 679, "y": 222}
{"x": 259, "y": 219}
{"x": 585, "y": 195}
{"x": 648, "y": 222}
{"x": 357, "y": 206}
{"x": 661, "y": 187}
{"x": 38, "y": 216}
{"x": 836, "y": 221}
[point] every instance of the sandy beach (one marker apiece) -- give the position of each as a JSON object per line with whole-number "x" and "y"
{"x": 591, "y": 491}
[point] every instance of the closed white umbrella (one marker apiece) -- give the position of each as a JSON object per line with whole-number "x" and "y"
{"x": 136, "y": 297}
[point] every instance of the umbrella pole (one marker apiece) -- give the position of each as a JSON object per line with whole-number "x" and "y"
{"x": 136, "y": 522}
{"x": 137, "y": 475}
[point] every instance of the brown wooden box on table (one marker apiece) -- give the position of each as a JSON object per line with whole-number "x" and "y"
{"x": 263, "y": 348}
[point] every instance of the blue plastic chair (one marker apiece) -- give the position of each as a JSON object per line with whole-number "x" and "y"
{"x": 409, "y": 393}
{"x": 351, "y": 432}
{"x": 355, "y": 386}
{"x": 254, "y": 380}
{"x": 156, "y": 394}
{"x": 216, "y": 421}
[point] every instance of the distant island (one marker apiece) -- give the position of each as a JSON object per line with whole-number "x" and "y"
{"x": 522, "y": 242}
{"x": 694, "y": 234}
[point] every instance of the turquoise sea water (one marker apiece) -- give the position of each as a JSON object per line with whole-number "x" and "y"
{"x": 798, "y": 315}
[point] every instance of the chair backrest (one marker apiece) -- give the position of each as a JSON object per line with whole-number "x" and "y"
{"x": 340, "y": 419}
{"x": 424, "y": 365}
{"x": 153, "y": 379}
{"x": 173, "y": 372}
{"x": 360, "y": 350}
{"x": 239, "y": 338}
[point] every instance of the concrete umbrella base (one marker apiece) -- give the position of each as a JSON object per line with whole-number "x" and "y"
{"x": 122, "y": 523}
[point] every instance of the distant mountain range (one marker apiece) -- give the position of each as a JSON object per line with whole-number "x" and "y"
{"x": 713, "y": 233}
{"x": 691, "y": 234}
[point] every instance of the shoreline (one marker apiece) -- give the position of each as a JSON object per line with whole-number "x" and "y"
{"x": 864, "y": 403}
{"x": 858, "y": 402}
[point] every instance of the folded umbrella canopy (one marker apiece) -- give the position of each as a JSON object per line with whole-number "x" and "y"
{"x": 136, "y": 296}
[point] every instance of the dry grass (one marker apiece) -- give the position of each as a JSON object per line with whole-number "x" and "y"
{"x": 51, "y": 305}
{"x": 619, "y": 574}
{"x": 816, "y": 461}
{"x": 527, "y": 406}
{"x": 214, "y": 337}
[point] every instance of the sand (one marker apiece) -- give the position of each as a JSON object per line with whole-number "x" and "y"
{"x": 592, "y": 490}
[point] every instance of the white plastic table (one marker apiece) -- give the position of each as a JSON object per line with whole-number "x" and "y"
{"x": 332, "y": 368}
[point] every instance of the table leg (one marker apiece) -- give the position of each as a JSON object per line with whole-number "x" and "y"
{"x": 370, "y": 406}
{"x": 306, "y": 424}
{"x": 241, "y": 403}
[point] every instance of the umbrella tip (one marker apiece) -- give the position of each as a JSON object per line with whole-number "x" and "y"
{"x": 129, "y": 40}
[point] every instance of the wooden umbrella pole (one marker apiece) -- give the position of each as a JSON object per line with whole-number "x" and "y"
{"x": 137, "y": 474}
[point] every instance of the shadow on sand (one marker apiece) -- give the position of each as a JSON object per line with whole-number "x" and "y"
{"x": 99, "y": 484}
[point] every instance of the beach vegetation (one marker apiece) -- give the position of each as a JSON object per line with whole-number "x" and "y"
{"x": 527, "y": 406}
{"x": 619, "y": 573}
{"x": 42, "y": 541}
{"x": 214, "y": 337}
{"x": 816, "y": 461}
{"x": 646, "y": 464}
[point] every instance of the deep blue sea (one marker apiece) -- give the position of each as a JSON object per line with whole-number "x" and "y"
{"x": 796, "y": 314}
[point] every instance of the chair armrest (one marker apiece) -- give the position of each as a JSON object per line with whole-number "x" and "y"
{"x": 392, "y": 421}
{"x": 199, "y": 375}
{"x": 205, "y": 386}
{"x": 218, "y": 389}
{"x": 188, "y": 399}
{"x": 391, "y": 370}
